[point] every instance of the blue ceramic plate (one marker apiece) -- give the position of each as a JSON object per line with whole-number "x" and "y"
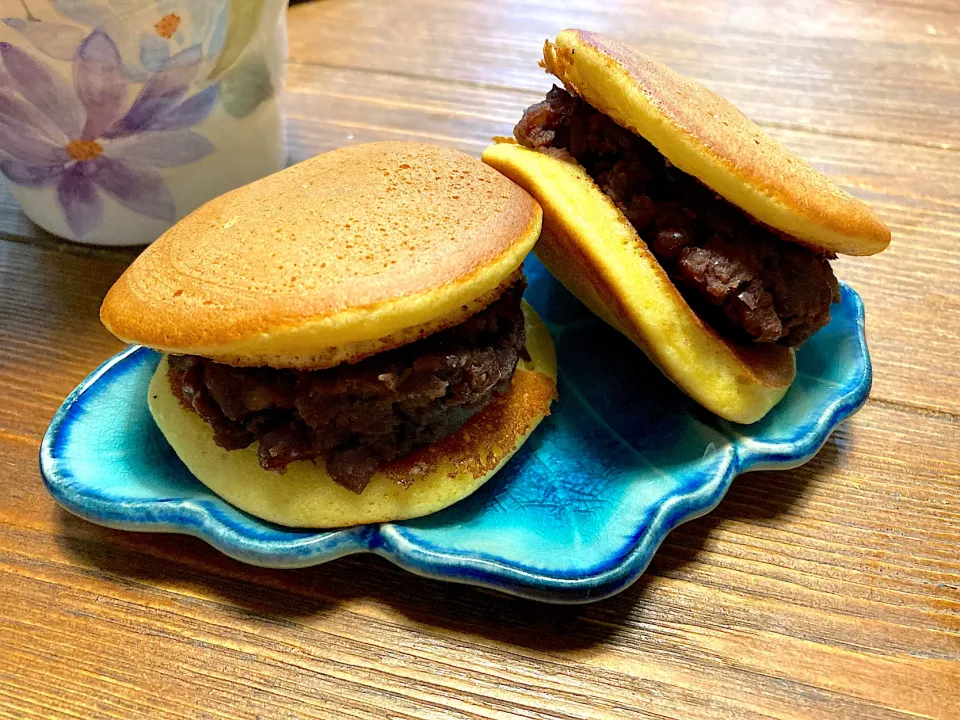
{"x": 575, "y": 516}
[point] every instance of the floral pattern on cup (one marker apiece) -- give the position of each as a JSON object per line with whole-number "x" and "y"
{"x": 103, "y": 115}
{"x": 147, "y": 32}
{"x": 90, "y": 139}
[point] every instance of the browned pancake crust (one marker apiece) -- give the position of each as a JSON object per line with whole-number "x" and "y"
{"x": 363, "y": 242}
{"x": 706, "y": 136}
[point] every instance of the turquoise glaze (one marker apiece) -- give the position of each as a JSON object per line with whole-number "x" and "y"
{"x": 575, "y": 516}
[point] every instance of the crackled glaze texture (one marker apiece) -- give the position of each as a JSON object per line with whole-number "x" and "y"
{"x": 575, "y": 516}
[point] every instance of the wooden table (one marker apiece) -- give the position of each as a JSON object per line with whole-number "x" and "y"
{"x": 829, "y": 591}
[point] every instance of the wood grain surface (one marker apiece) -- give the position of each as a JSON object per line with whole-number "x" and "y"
{"x": 829, "y": 591}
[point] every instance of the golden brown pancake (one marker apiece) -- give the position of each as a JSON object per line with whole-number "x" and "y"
{"x": 704, "y": 135}
{"x": 339, "y": 257}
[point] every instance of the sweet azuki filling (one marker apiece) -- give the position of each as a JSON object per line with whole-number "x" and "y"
{"x": 740, "y": 276}
{"x": 355, "y": 417}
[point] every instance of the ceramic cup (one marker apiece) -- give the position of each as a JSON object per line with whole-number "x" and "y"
{"x": 118, "y": 117}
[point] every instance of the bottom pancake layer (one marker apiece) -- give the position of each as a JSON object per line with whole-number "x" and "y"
{"x": 306, "y": 496}
{"x": 590, "y": 246}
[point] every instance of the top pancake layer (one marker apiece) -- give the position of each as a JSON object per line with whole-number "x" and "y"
{"x": 364, "y": 247}
{"x": 707, "y": 137}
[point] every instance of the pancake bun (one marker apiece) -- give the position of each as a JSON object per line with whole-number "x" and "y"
{"x": 707, "y": 137}
{"x": 591, "y": 247}
{"x": 424, "y": 482}
{"x": 342, "y": 256}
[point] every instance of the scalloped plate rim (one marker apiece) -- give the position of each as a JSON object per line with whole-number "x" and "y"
{"x": 210, "y": 519}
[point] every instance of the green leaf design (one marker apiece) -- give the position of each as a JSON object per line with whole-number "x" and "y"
{"x": 246, "y": 86}
{"x": 241, "y": 27}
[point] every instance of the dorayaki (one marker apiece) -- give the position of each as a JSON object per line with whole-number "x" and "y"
{"x": 674, "y": 218}
{"x": 345, "y": 341}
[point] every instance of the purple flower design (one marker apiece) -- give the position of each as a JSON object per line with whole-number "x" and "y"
{"x": 88, "y": 138}
{"x": 148, "y": 32}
